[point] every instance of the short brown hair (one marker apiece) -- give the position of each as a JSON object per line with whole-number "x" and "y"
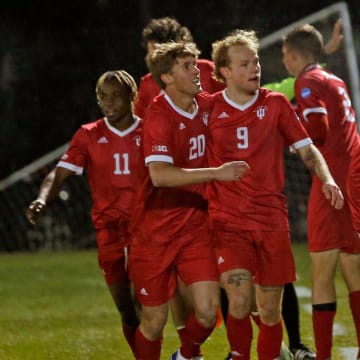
{"x": 307, "y": 40}
{"x": 220, "y": 48}
{"x": 162, "y": 59}
{"x": 163, "y": 30}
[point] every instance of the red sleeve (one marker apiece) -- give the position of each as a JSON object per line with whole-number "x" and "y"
{"x": 148, "y": 89}
{"x": 207, "y": 77}
{"x": 317, "y": 125}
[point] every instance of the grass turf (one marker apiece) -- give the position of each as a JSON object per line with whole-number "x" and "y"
{"x": 56, "y": 306}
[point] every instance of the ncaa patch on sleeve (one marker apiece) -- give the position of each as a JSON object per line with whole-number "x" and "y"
{"x": 305, "y": 92}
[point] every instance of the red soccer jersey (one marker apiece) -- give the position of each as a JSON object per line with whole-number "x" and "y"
{"x": 112, "y": 162}
{"x": 149, "y": 88}
{"x": 179, "y": 138}
{"x": 257, "y": 133}
{"x": 319, "y": 91}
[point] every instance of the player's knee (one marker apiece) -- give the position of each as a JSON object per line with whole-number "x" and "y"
{"x": 152, "y": 328}
{"x": 206, "y": 314}
{"x": 270, "y": 315}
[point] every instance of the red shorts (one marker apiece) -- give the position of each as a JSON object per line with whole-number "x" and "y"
{"x": 266, "y": 254}
{"x": 112, "y": 253}
{"x": 154, "y": 268}
{"x": 329, "y": 228}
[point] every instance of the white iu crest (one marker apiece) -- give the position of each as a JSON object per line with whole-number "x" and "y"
{"x": 260, "y": 111}
{"x": 137, "y": 139}
{"x": 205, "y": 118}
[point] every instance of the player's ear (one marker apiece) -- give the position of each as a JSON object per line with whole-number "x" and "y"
{"x": 224, "y": 71}
{"x": 166, "y": 79}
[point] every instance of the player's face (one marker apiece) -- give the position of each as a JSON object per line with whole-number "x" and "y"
{"x": 185, "y": 76}
{"x": 243, "y": 72}
{"x": 113, "y": 101}
{"x": 288, "y": 61}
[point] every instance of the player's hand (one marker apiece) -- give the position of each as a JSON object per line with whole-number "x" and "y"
{"x": 232, "y": 171}
{"x": 34, "y": 209}
{"x": 336, "y": 40}
{"x": 333, "y": 193}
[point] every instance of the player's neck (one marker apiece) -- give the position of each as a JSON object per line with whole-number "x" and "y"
{"x": 183, "y": 101}
{"x": 122, "y": 123}
{"x": 238, "y": 96}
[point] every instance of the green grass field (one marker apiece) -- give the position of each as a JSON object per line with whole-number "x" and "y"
{"x": 56, "y": 306}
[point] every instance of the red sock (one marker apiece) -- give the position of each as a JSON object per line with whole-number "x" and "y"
{"x": 129, "y": 333}
{"x": 239, "y": 333}
{"x": 354, "y": 300}
{"x": 146, "y": 349}
{"x": 182, "y": 335}
{"x": 193, "y": 336}
{"x": 323, "y": 324}
{"x": 269, "y": 341}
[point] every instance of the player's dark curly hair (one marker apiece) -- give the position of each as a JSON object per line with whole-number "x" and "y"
{"x": 123, "y": 78}
{"x": 165, "y": 29}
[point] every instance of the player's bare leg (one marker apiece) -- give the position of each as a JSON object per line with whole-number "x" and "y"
{"x": 200, "y": 323}
{"x": 123, "y": 299}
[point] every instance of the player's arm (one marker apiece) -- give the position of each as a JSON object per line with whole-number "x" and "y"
{"x": 316, "y": 163}
{"x": 336, "y": 40}
{"x": 164, "y": 174}
{"x": 317, "y": 125}
{"x": 49, "y": 189}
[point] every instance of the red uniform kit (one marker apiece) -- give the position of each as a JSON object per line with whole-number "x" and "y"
{"x": 171, "y": 232}
{"x": 112, "y": 162}
{"x": 318, "y": 91}
{"x": 149, "y": 88}
{"x": 252, "y": 213}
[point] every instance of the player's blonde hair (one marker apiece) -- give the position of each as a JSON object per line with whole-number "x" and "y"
{"x": 220, "y": 54}
{"x": 165, "y": 55}
{"x": 307, "y": 41}
{"x": 122, "y": 78}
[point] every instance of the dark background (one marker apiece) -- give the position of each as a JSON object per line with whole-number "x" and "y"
{"x": 52, "y": 52}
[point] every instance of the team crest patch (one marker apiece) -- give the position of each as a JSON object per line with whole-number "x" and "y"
{"x": 305, "y": 92}
{"x": 205, "y": 118}
{"x": 261, "y": 111}
{"x": 137, "y": 139}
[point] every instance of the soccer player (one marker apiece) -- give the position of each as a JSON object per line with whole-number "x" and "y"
{"x": 109, "y": 150}
{"x": 249, "y": 218}
{"x": 325, "y": 109}
{"x": 171, "y": 232}
{"x": 162, "y": 30}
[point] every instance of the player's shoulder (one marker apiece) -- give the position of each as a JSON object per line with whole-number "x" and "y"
{"x": 91, "y": 126}
{"x": 205, "y": 99}
{"x": 205, "y": 64}
{"x": 271, "y": 95}
{"x": 147, "y": 78}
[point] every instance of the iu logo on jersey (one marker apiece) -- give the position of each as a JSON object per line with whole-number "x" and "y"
{"x": 260, "y": 112}
{"x": 137, "y": 139}
{"x": 205, "y": 118}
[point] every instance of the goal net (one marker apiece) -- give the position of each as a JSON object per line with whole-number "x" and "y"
{"x": 67, "y": 224}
